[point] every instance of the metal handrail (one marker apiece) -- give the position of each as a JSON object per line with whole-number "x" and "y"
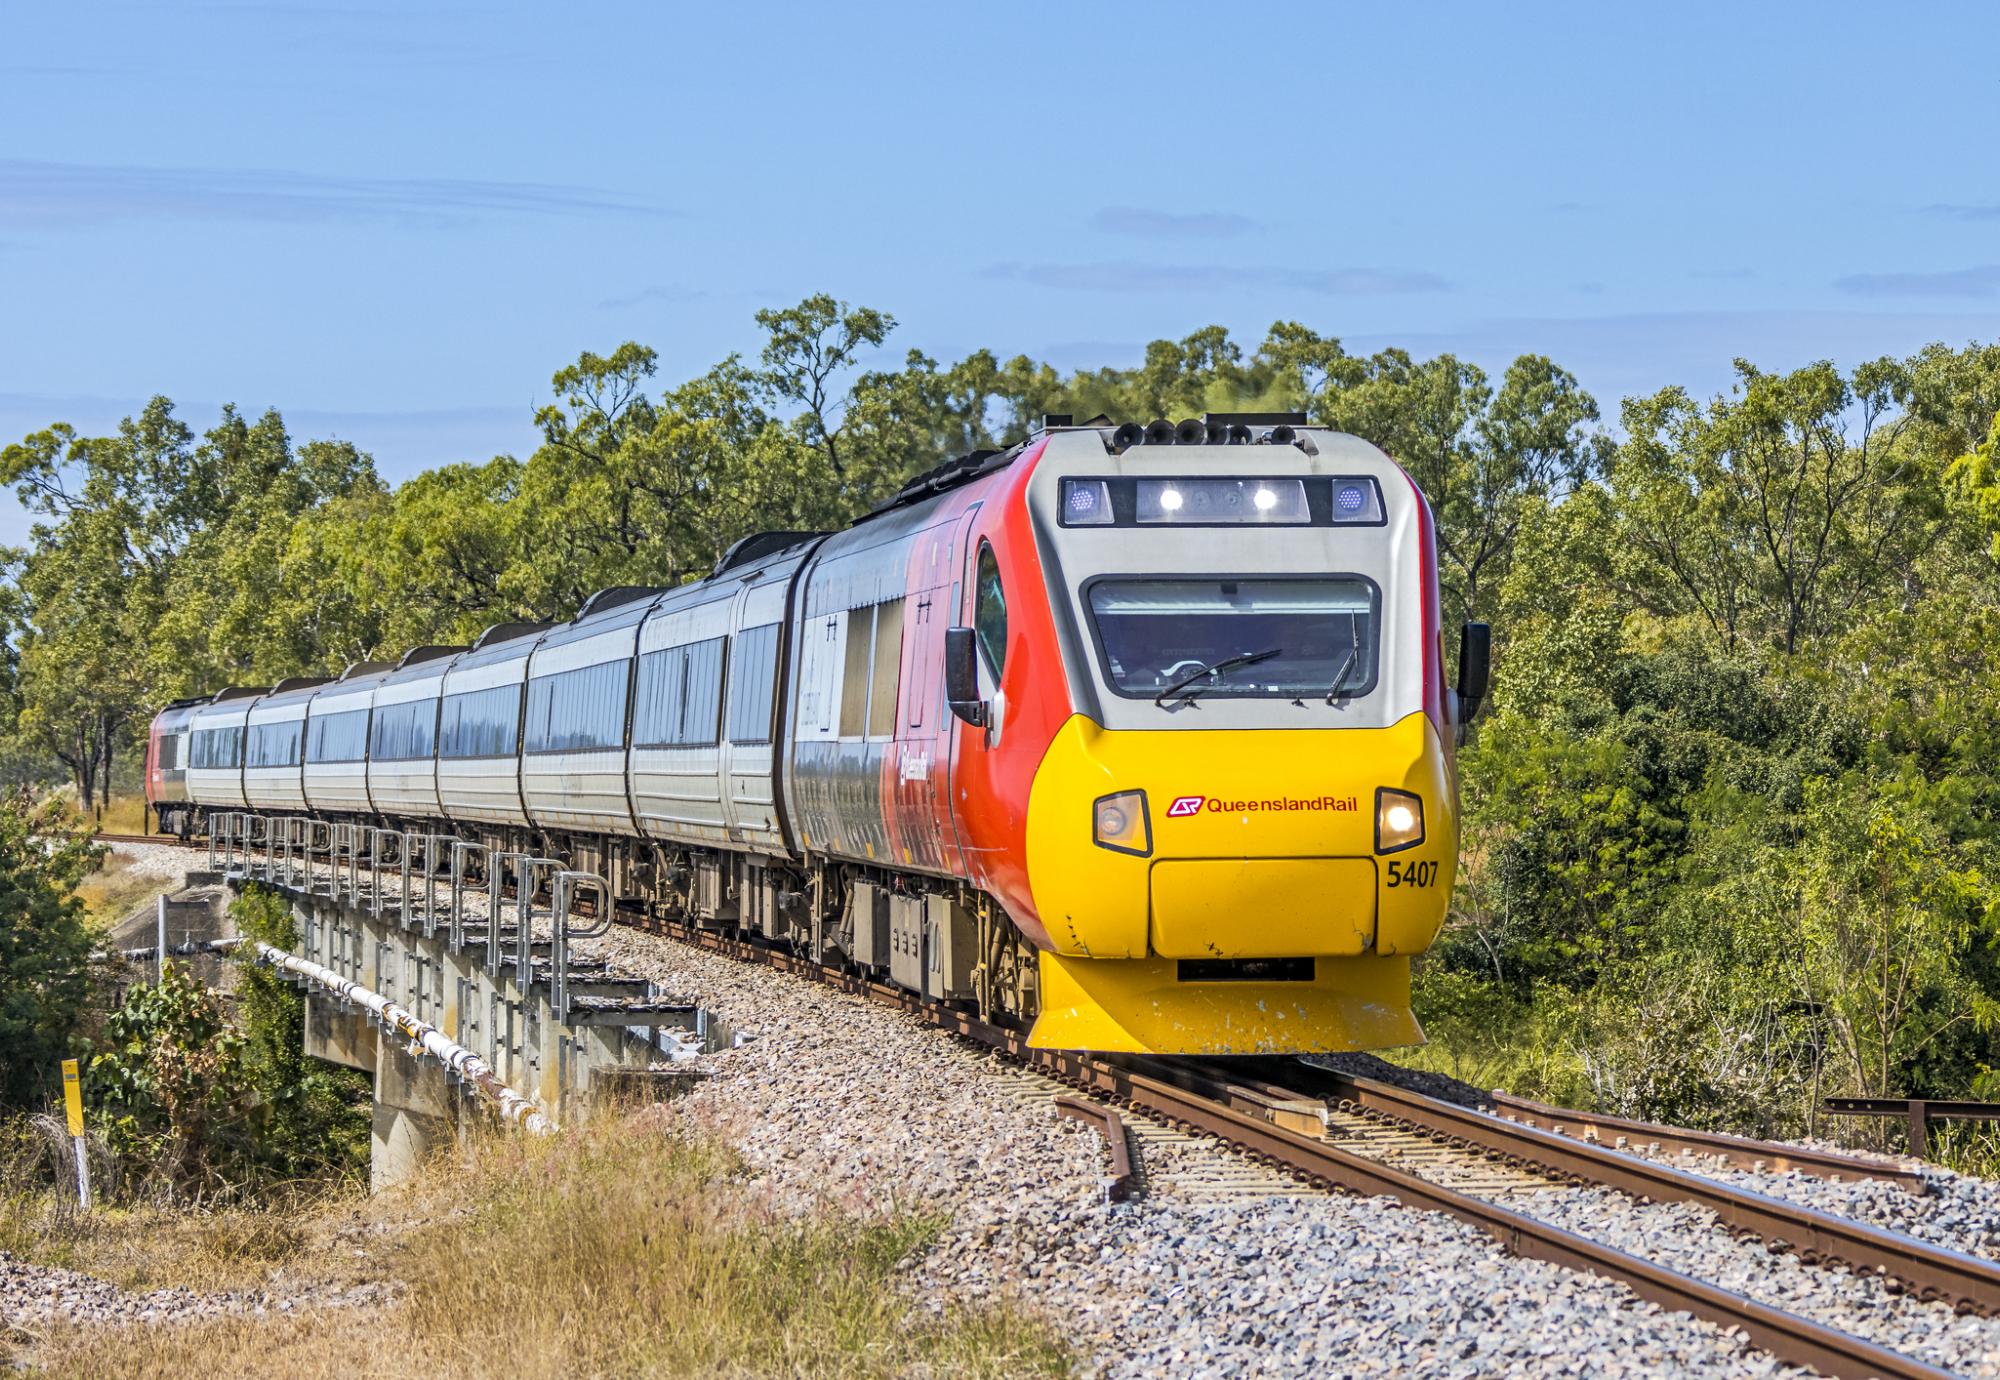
{"x": 461, "y": 849}
{"x": 496, "y": 889}
{"x": 312, "y": 833}
{"x": 563, "y": 891}
{"x": 524, "y": 916}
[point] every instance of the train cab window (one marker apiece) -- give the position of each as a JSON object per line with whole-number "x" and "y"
{"x": 887, "y": 680}
{"x": 1228, "y": 636}
{"x": 989, "y": 610}
{"x": 170, "y": 752}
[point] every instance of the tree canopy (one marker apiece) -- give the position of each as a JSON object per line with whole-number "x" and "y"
{"x": 1732, "y": 819}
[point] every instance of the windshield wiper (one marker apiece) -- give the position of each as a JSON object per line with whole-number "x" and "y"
{"x": 1227, "y": 663}
{"x": 1340, "y": 676}
{"x": 1353, "y": 655}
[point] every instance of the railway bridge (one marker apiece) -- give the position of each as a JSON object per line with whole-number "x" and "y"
{"x": 462, "y": 1001}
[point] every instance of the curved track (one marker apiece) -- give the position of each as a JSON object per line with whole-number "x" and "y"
{"x": 1294, "y": 1116}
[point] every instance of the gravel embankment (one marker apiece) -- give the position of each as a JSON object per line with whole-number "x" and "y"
{"x": 34, "y": 1295}
{"x": 842, "y": 1102}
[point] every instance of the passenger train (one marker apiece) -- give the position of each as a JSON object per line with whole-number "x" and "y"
{"x": 1137, "y": 738}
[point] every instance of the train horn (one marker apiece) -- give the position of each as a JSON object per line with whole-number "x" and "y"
{"x": 1131, "y": 434}
{"x": 1160, "y": 433}
{"x": 1281, "y": 436}
{"x": 1191, "y": 432}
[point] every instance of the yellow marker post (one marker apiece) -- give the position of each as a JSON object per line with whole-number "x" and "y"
{"x": 73, "y": 1104}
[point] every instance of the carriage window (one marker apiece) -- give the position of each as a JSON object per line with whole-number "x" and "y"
{"x": 404, "y": 732}
{"x": 680, "y": 696}
{"x": 481, "y": 723}
{"x": 888, "y": 669}
{"x": 275, "y": 744}
{"x": 578, "y": 711}
{"x": 753, "y": 670}
{"x": 989, "y": 610}
{"x": 341, "y": 737}
{"x": 170, "y": 752}
{"x": 854, "y": 677}
{"x": 218, "y": 748}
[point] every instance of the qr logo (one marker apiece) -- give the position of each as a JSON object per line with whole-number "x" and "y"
{"x": 1185, "y": 805}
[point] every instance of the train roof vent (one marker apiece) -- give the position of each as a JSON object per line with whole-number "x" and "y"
{"x": 429, "y": 653}
{"x": 507, "y": 632}
{"x": 618, "y": 594}
{"x": 758, "y": 545}
{"x": 239, "y": 692}
{"x": 365, "y": 668}
{"x": 1215, "y": 419}
{"x": 949, "y": 475}
{"x": 298, "y": 683}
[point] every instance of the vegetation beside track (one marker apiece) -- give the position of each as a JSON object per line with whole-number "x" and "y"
{"x": 631, "y": 1248}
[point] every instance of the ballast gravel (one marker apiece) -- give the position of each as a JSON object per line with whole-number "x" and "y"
{"x": 839, "y": 1101}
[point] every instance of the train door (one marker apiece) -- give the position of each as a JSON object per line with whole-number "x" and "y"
{"x": 955, "y": 737}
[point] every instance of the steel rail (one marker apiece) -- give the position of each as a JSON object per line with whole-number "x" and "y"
{"x": 1971, "y": 1284}
{"x": 1741, "y": 1151}
{"x": 1784, "y": 1335}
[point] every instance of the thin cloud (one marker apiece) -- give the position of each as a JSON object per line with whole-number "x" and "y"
{"x": 1981, "y": 280}
{"x": 663, "y": 292}
{"x": 44, "y": 194}
{"x": 1148, "y": 223}
{"x": 1126, "y": 276}
{"x": 1985, "y": 210}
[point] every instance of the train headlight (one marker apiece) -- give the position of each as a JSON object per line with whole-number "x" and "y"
{"x": 1119, "y": 822}
{"x": 1399, "y": 820}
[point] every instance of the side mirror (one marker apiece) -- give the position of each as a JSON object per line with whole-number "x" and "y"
{"x": 1475, "y": 669}
{"x": 961, "y": 676}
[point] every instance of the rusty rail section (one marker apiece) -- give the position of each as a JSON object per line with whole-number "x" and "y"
{"x": 1113, "y": 1128}
{"x": 1741, "y": 1151}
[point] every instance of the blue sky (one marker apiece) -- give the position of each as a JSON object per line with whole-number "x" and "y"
{"x": 395, "y": 223}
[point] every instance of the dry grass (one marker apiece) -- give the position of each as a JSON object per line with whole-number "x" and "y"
{"x": 626, "y": 1250}
{"x": 123, "y": 814}
{"x": 114, "y": 891}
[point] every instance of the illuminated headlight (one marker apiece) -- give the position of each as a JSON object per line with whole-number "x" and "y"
{"x": 1118, "y": 822}
{"x": 1399, "y": 820}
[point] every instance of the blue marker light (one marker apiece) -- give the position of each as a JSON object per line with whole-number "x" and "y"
{"x": 1350, "y": 499}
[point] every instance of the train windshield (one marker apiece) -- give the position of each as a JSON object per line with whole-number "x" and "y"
{"x": 1237, "y": 636}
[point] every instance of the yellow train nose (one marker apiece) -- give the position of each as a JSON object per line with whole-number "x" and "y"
{"x": 1246, "y": 897}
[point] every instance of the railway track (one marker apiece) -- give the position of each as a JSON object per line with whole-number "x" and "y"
{"x": 1440, "y": 1157}
{"x": 1338, "y": 1132}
